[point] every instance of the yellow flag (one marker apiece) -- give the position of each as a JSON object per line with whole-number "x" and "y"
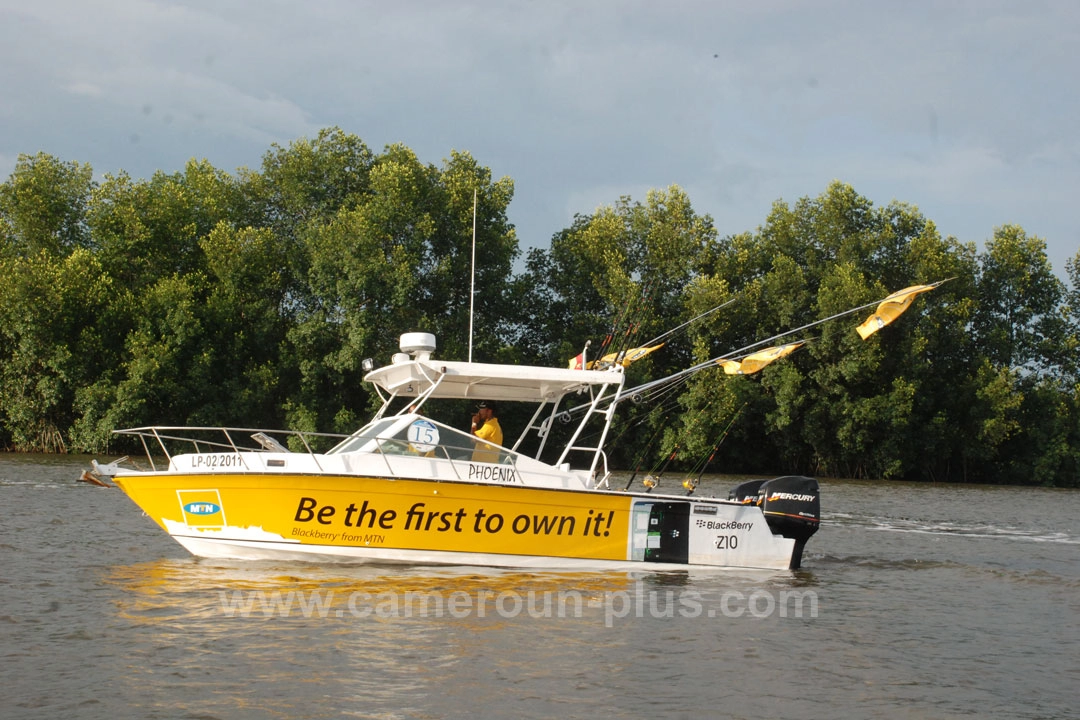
{"x": 891, "y": 308}
{"x": 631, "y": 355}
{"x": 753, "y": 363}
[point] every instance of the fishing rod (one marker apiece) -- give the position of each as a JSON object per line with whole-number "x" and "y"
{"x": 660, "y": 409}
{"x": 664, "y": 395}
{"x": 641, "y": 457}
{"x": 885, "y": 315}
{"x": 611, "y": 334}
{"x": 614, "y": 329}
{"x": 640, "y": 398}
{"x": 643, "y": 394}
{"x": 651, "y": 481}
{"x": 691, "y": 484}
{"x": 641, "y": 419}
{"x": 633, "y": 326}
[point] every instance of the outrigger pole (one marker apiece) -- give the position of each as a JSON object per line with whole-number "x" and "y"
{"x": 901, "y": 298}
{"x": 672, "y": 331}
{"x": 710, "y": 363}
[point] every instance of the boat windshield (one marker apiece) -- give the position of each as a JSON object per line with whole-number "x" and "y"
{"x": 364, "y": 435}
{"x": 417, "y": 435}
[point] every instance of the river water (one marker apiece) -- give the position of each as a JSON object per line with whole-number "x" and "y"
{"x": 915, "y": 601}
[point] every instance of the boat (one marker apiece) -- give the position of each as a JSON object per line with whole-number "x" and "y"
{"x": 406, "y": 488}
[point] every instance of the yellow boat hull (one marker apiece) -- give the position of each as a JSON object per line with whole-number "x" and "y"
{"x": 373, "y": 519}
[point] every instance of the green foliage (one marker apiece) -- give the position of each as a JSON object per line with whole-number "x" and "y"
{"x": 1018, "y": 321}
{"x": 51, "y": 311}
{"x": 144, "y": 231}
{"x": 43, "y": 205}
{"x": 205, "y": 298}
{"x": 397, "y": 257}
{"x": 632, "y": 260}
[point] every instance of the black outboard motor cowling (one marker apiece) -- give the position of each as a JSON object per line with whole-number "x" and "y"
{"x": 792, "y": 507}
{"x": 748, "y": 493}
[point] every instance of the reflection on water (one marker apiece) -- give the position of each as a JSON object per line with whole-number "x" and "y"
{"x": 192, "y": 589}
{"x": 408, "y": 641}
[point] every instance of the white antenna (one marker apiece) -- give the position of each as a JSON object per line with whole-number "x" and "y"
{"x": 472, "y": 285}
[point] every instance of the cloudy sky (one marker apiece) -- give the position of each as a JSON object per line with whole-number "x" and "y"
{"x": 967, "y": 109}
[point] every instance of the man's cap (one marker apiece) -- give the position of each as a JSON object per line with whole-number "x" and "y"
{"x": 486, "y": 404}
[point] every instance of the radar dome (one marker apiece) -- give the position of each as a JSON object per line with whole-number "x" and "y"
{"x": 417, "y": 343}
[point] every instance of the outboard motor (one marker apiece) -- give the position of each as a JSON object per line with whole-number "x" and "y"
{"x": 792, "y": 507}
{"x": 748, "y": 493}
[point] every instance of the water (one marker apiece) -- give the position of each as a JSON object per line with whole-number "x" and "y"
{"x": 915, "y": 601}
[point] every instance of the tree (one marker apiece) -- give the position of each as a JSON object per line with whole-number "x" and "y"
{"x": 43, "y": 206}
{"x": 1070, "y": 356}
{"x": 199, "y": 297}
{"x": 942, "y": 357}
{"x": 309, "y": 180}
{"x": 617, "y": 279}
{"x": 147, "y": 230}
{"x": 633, "y": 260}
{"x": 245, "y": 328}
{"x": 1017, "y": 322}
{"x": 52, "y": 312}
{"x": 841, "y": 405}
{"x": 398, "y": 258}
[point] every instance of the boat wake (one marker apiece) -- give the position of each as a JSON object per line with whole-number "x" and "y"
{"x": 953, "y": 528}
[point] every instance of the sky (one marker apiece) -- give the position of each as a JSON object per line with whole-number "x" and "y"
{"x": 968, "y": 110}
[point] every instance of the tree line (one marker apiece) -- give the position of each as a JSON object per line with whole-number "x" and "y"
{"x": 250, "y": 299}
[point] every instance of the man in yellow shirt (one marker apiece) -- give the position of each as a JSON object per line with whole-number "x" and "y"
{"x": 485, "y": 426}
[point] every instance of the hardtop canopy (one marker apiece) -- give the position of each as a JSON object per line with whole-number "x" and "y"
{"x": 487, "y": 381}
